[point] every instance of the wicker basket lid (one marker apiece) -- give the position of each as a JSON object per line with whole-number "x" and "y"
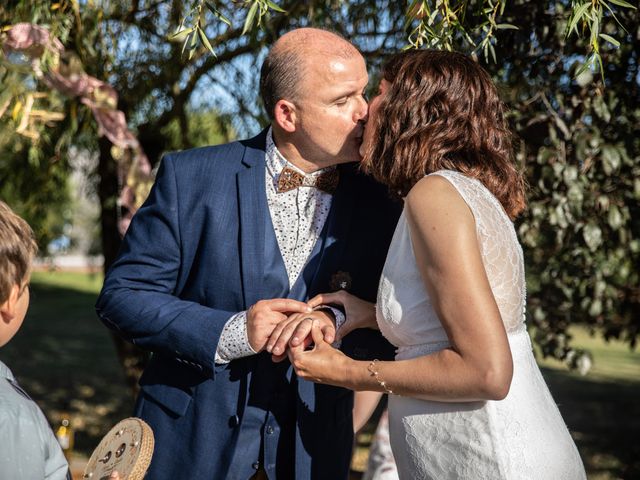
{"x": 127, "y": 448}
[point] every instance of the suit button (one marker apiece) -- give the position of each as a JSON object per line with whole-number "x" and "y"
{"x": 255, "y": 465}
{"x": 234, "y": 421}
{"x": 269, "y": 430}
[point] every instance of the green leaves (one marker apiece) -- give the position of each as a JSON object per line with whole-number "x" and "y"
{"x": 205, "y": 41}
{"x": 579, "y": 13}
{"x": 438, "y": 26}
{"x": 622, "y": 3}
{"x": 589, "y": 14}
{"x": 180, "y": 35}
{"x": 251, "y": 15}
{"x": 611, "y": 159}
{"x": 592, "y": 236}
{"x": 505, "y": 26}
{"x": 196, "y": 36}
{"x": 446, "y": 25}
{"x": 610, "y": 39}
{"x": 275, "y": 7}
{"x": 213, "y": 9}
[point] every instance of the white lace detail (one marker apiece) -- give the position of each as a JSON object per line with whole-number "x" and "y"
{"x": 501, "y": 251}
{"x": 520, "y": 437}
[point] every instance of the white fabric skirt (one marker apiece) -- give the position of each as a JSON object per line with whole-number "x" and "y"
{"x": 520, "y": 437}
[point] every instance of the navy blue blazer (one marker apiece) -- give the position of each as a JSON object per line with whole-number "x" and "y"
{"x": 201, "y": 249}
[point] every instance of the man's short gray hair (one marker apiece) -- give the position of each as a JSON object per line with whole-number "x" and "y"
{"x": 283, "y": 70}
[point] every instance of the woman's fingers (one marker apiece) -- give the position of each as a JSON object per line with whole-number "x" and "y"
{"x": 286, "y": 305}
{"x": 317, "y": 300}
{"x": 317, "y": 334}
{"x": 329, "y": 333}
{"x": 335, "y": 298}
{"x": 293, "y": 353}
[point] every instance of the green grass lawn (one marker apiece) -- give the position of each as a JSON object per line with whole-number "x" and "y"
{"x": 602, "y": 409}
{"x": 65, "y": 358}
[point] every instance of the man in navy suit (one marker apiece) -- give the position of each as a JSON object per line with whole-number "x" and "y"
{"x": 219, "y": 261}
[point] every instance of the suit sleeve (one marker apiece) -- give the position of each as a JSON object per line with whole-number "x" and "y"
{"x": 139, "y": 297}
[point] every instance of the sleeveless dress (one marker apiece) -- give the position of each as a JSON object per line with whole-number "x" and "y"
{"x": 520, "y": 437}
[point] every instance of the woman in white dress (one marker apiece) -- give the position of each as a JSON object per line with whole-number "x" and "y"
{"x": 467, "y": 399}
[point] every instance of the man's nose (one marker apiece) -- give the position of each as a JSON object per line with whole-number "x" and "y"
{"x": 362, "y": 112}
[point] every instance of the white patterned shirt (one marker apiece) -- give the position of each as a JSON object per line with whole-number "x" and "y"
{"x": 298, "y": 217}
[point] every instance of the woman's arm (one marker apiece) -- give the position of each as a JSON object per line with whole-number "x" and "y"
{"x": 478, "y": 365}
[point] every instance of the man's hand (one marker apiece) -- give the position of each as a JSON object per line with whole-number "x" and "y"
{"x": 266, "y": 315}
{"x": 297, "y": 329}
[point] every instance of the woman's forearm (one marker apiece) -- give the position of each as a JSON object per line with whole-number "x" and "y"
{"x": 443, "y": 376}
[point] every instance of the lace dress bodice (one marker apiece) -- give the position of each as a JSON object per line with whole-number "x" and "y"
{"x": 404, "y": 311}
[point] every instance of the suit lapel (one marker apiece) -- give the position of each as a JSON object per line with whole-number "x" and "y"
{"x": 338, "y": 222}
{"x": 252, "y": 204}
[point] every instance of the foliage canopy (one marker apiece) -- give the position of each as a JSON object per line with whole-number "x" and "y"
{"x": 568, "y": 70}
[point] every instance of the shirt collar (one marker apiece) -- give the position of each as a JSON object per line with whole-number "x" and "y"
{"x": 276, "y": 161}
{"x": 5, "y": 372}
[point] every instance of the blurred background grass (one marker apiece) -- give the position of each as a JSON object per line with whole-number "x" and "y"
{"x": 64, "y": 357}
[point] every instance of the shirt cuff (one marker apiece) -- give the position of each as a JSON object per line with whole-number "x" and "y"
{"x": 234, "y": 342}
{"x": 340, "y": 319}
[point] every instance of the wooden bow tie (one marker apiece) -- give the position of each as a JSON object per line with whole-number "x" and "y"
{"x": 290, "y": 179}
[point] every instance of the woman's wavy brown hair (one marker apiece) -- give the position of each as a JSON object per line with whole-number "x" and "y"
{"x": 442, "y": 111}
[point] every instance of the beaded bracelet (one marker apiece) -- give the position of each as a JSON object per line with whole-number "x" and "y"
{"x": 371, "y": 368}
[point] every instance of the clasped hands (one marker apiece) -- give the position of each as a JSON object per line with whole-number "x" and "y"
{"x": 274, "y": 325}
{"x": 281, "y": 326}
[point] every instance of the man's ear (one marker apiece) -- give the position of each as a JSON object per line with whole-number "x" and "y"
{"x": 285, "y": 115}
{"x": 8, "y": 308}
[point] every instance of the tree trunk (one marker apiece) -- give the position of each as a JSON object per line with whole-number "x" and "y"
{"x": 132, "y": 359}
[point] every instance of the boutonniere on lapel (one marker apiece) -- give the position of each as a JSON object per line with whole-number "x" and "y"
{"x": 340, "y": 281}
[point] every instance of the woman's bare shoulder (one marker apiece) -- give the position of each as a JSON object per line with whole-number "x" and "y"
{"x": 437, "y": 199}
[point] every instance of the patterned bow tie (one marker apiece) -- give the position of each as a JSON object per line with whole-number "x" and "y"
{"x": 290, "y": 179}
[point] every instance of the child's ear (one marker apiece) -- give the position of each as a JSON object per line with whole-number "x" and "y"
{"x": 8, "y": 308}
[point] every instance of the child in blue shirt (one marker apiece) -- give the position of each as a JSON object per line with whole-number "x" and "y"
{"x": 29, "y": 448}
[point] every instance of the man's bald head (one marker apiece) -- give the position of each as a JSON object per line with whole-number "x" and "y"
{"x": 283, "y": 70}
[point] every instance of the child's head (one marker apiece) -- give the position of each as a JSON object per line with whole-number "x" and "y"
{"x": 17, "y": 249}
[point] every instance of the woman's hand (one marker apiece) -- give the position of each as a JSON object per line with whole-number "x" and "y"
{"x": 321, "y": 364}
{"x": 359, "y": 313}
